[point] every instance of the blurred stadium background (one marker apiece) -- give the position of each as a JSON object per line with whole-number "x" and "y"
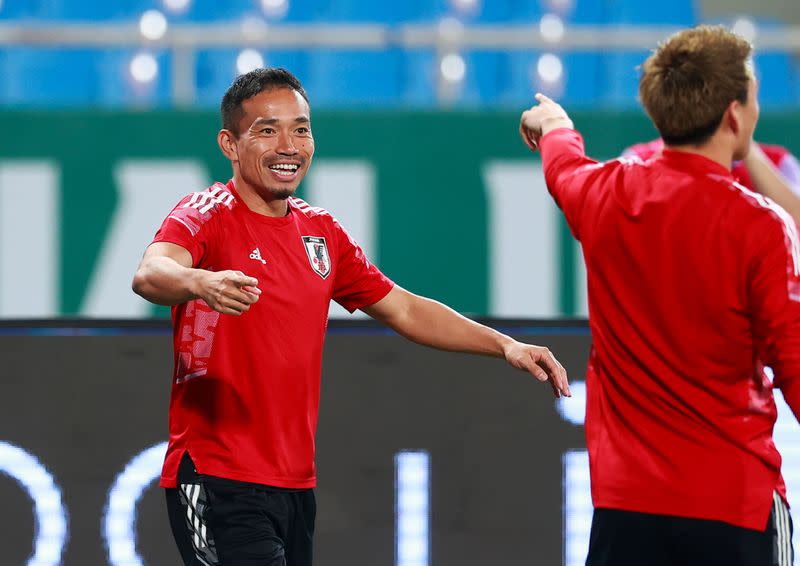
{"x": 109, "y": 114}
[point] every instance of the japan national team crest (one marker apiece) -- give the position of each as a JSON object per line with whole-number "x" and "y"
{"x": 317, "y": 252}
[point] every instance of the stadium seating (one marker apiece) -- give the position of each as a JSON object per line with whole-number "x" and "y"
{"x": 342, "y": 78}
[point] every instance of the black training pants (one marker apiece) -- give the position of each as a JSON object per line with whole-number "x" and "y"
{"x": 220, "y": 522}
{"x": 626, "y": 538}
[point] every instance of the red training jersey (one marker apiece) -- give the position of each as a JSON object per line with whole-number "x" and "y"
{"x": 781, "y": 157}
{"x": 245, "y": 391}
{"x": 694, "y": 286}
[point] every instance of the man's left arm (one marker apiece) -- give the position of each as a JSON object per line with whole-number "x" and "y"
{"x": 433, "y": 324}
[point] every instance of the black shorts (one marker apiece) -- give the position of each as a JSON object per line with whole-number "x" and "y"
{"x": 623, "y": 538}
{"x": 221, "y": 522}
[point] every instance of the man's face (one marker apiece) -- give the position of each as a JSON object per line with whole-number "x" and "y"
{"x": 748, "y": 114}
{"x": 275, "y": 145}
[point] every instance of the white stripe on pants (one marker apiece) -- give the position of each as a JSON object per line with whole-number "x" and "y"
{"x": 783, "y": 528}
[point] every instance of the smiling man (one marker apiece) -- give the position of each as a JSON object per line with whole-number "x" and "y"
{"x": 250, "y": 271}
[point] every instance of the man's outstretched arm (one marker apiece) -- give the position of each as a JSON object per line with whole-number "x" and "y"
{"x": 433, "y": 324}
{"x": 166, "y": 277}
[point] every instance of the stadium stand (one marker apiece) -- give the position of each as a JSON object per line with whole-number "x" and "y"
{"x": 395, "y": 76}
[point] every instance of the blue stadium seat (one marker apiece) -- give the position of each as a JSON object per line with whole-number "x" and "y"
{"x": 484, "y": 80}
{"x": 420, "y": 73}
{"x": 672, "y": 12}
{"x": 37, "y": 77}
{"x": 355, "y": 78}
{"x": 589, "y": 12}
{"x": 584, "y": 79}
{"x": 486, "y": 12}
{"x": 372, "y": 11}
{"x": 216, "y": 10}
{"x": 216, "y": 69}
{"x": 486, "y": 77}
{"x": 421, "y": 11}
{"x": 116, "y": 88}
{"x": 520, "y": 11}
{"x": 777, "y": 79}
{"x": 580, "y": 87}
{"x": 620, "y": 75}
{"x": 519, "y": 86}
{"x": 301, "y": 11}
{"x": 19, "y": 9}
{"x": 494, "y": 78}
{"x": 72, "y": 10}
{"x": 776, "y": 70}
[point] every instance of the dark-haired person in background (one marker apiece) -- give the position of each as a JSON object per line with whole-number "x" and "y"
{"x": 250, "y": 272}
{"x": 694, "y": 287}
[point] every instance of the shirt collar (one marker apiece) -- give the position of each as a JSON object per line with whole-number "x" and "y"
{"x": 694, "y": 162}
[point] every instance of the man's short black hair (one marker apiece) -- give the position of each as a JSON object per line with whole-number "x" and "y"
{"x": 249, "y": 85}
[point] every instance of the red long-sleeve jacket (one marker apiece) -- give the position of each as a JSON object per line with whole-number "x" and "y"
{"x": 694, "y": 287}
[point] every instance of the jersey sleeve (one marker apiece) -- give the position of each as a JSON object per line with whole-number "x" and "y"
{"x": 358, "y": 282}
{"x": 774, "y": 297}
{"x": 567, "y": 172}
{"x": 187, "y": 226}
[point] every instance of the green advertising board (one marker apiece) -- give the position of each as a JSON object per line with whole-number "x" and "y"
{"x": 449, "y": 204}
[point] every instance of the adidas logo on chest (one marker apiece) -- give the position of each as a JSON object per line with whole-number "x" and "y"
{"x": 256, "y": 255}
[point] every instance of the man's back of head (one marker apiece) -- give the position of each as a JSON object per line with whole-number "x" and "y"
{"x": 698, "y": 88}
